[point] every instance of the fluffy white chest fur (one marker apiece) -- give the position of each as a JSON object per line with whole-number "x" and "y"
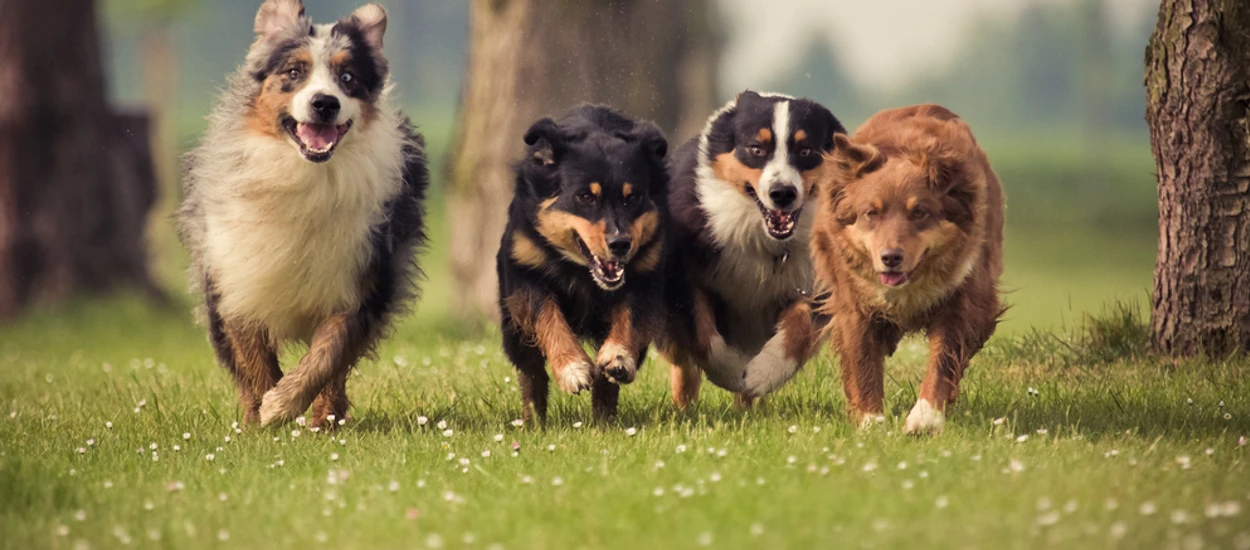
{"x": 758, "y": 273}
{"x": 287, "y": 240}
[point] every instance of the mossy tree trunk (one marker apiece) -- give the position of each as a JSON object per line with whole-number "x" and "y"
{"x": 76, "y": 179}
{"x": 1198, "y": 87}
{"x": 652, "y": 59}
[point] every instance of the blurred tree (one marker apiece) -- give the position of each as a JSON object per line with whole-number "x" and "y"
{"x": 1198, "y": 109}
{"x": 75, "y": 178}
{"x": 653, "y": 59}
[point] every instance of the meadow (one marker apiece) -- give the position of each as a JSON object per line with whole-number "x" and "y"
{"x": 117, "y": 430}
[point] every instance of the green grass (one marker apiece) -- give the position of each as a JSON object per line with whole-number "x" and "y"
{"x": 1112, "y": 436}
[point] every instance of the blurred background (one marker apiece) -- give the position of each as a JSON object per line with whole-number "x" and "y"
{"x": 1053, "y": 89}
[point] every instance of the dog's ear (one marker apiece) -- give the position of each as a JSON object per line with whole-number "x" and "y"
{"x": 545, "y": 142}
{"x": 652, "y": 140}
{"x": 276, "y": 16}
{"x": 371, "y": 20}
{"x": 950, "y": 178}
{"x": 849, "y": 161}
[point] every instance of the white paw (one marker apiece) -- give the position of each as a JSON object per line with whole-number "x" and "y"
{"x": 770, "y": 369}
{"x": 725, "y": 365}
{"x": 617, "y": 363}
{"x": 924, "y": 419}
{"x": 867, "y": 421}
{"x": 279, "y": 406}
{"x": 574, "y": 377}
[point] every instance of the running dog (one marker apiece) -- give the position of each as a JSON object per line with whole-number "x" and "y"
{"x": 303, "y": 210}
{"x": 582, "y": 256}
{"x": 909, "y": 238}
{"x": 740, "y": 287}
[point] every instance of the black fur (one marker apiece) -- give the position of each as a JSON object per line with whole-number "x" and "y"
{"x": 589, "y": 145}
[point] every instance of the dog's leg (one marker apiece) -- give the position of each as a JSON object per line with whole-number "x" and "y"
{"x": 626, "y": 341}
{"x": 531, "y": 374}
{"x": 954, "y": 338}
{"x": 863, "y": 367}
{"x": 255, "y": 366}
{"x": 569, "y": 363}
{"x": 330, "y": 407}
{"x": 604, "y": 396}
{"x": 782, "y": 356}
{"x": 686, "y": 380}
{"x": 336, "y": 346}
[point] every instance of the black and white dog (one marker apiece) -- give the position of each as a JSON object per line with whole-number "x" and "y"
{"x": 740, "y": 288}
{"x": 303, "y": 210}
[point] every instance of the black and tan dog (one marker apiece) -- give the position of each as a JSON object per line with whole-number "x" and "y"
{"x": 741, "y": 279}
{"x": 582, "y": 255}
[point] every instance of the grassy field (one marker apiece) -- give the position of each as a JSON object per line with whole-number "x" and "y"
{"x": 117, "y": 430}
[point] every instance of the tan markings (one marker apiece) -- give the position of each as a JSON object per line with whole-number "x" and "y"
{"x": 341, "y": 58}
{"x": 627, "y": 190}
{"x": 650, "y": 259}
{"x": 729, "y": 169}
{"x": 336, "y": 346}
{"x": 878, "y": 205}
{"x": 800, "y": 333}
{"x": 597, "y": 189}
{"x": 911, "y": 203}
{"x": 562, "y": 230}
{"x": 800, "y": 136}
{"x": 765, "y": 135}
{"x": 644, "y": 227}
{"x": 555, "y": 338}
{"x": 526, "y": 252}
{"x": 624, "y": 333}
{"x": 685, "y": 382}
{"x": 256, "y": 368}
{"x": 262, "y": 118}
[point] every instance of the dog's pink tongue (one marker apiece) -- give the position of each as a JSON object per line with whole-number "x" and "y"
{"x": 893, "y": 279}
{"x": 317, "y": 137}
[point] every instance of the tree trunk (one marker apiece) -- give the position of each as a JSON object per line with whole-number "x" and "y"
{"x": 1197, "y": 78}
{"x": 76, "y": 180}
{"x": 652, "y": 59}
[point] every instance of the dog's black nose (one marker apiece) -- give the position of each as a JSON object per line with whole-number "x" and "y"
{"x": 326, "y": 106}
{"x": 783, "y": 195}
{"x": 619, "y": 246}
{"x": 892, "y": 258}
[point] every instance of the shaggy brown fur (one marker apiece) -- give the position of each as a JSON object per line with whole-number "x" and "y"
{"x": 908, "y": 239}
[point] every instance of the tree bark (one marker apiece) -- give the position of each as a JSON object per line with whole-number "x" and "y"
{"x": 652, "y": 59}
{"x": 76, "y": 180}
{"x": 1198, "y": 91}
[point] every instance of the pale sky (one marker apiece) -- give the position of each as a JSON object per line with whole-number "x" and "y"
{"x": 879, "y": 42}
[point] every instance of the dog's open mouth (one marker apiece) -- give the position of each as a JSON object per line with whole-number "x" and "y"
{"x": 608, "y": 274}
{"x": 780, "y": 224}
{"x": 316, "y": 141}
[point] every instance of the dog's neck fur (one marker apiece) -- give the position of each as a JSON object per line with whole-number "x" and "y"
{"x": 286, "y": 239}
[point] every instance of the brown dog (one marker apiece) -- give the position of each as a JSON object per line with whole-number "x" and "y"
{"x": 909, "y": 238}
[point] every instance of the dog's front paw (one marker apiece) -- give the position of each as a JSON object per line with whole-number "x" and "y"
{"x": 725, "y": 365}
{"x": 574, "y": 376}
{"x": 768, "y": 371}
{"x": 617, "y": 363}
{"x": 924, "y": 419}
{"x": 281, "y": 405}
{"x": 868, "y": 419}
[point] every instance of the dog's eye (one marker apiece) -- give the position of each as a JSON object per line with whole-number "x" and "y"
{"x": 755, "y": 151}
{"x": 586, "y": 197}
{"x": 871, "y": 213}
{"x": 632, "y": 200}
{"x": 294, "y": 74}
{"x": 805, "y": 152}
{"x": 347, "y": 78}
{"x": 919, "y": 214}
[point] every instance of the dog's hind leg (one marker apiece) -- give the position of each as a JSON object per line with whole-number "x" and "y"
{"x": 604, "y": 395}
{"x": 330, "y": 407}
{"x": 255, "y": 366}
{"x": 531, "y": 374}
{"x": 335, "y": 347}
